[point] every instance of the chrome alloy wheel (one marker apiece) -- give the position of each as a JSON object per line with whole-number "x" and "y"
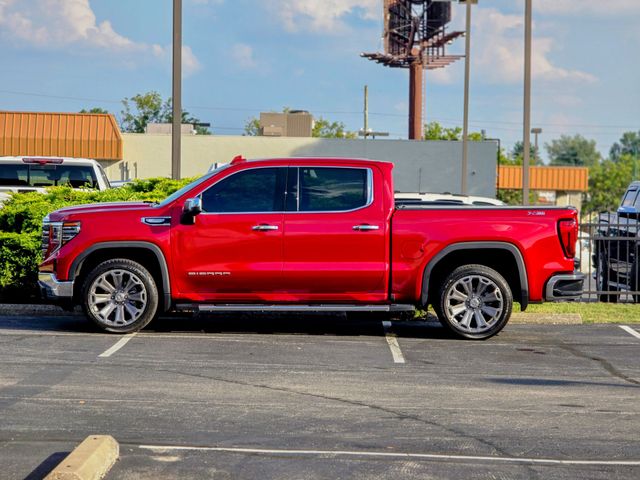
{"x": 117, "y": 298}
{"x": 474, "y": 303}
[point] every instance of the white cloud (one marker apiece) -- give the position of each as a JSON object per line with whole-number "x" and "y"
{"x": 322, "y": 15}
{"x": 498, "y": 51}
{"x": 441, "y": 76}
{"x": 57, "y": 24}
{"x": 581, "y": 7}
{"x": 242, "y": 54}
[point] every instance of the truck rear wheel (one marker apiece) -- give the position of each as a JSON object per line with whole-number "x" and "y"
{"x": 475, "y": 302}
{"x": 120, "y": 296}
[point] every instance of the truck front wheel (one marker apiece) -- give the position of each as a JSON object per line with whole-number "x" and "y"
{"x": 120, "y": 296}
{"x": 475, "y": 302}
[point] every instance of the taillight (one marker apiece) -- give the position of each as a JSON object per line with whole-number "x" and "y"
{"x": 568, "y": 233}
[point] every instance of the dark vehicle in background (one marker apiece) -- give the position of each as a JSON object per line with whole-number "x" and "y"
{"x": 615, "y": 253}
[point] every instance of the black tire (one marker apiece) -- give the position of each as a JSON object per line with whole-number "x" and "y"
{"x": 603, "y": 277}
{"x": 120, "y": 296}
{"x": 474, "y": 302}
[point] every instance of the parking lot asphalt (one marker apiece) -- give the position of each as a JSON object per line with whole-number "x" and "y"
{"x": 321, "y": 396}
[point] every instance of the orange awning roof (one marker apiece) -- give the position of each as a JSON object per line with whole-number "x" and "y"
{"x": 81, "y": 135}
{"x": 571, "y": 179}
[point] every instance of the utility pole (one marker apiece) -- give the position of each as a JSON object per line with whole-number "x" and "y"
{"x": 366, "y": 111}
{"x": 527, "y": 102}
{"x": 465, "y": 125}
{"x": 366, "y": 132}
{"x": 176, "y": 133}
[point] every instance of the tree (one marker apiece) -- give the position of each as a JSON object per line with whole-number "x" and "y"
{"x": 94, "y": 110}
{"x": 514, "y": 197}
{"x": 435, "y": 131}
{"x": 252, "y": 127}
{"x": 629, "y": 144}
{"x": 145, "y": 108}
{"x": 607, "y": 183}
{"x": 517, "y": 154}
{"x": 573, "y": 151}
{"x": 327, "y": 129}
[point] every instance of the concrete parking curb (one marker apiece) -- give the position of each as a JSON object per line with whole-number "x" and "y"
{"x": 91, "y": 460}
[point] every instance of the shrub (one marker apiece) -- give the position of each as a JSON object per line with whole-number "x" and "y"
{"x": 21, "y": 223}
{"x": 19, "y": 257}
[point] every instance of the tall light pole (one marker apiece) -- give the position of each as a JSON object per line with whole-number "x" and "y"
{"x": 467, "y": 74}
{"x": 176, "y": 90}
{"x": 536, "y": 131}
{"x": 526, "y": 143}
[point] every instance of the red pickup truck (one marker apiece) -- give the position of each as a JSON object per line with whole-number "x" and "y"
{"x": 306, "y": 235}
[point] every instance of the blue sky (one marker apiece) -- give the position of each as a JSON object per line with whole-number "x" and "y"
{"x": 246, "y": 56}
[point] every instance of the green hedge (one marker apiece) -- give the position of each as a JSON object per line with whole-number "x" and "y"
{"x": 21, "y": 223}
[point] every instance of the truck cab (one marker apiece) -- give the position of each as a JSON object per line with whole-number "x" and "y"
{"x": 306, "y": 234}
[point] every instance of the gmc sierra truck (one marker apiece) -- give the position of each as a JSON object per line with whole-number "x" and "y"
{"x": 306, "y": 235}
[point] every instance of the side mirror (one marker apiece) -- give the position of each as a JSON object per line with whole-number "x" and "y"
{"x": 192, "y": 208}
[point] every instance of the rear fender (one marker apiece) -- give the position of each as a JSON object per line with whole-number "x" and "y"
{"x": 512, "y": 249}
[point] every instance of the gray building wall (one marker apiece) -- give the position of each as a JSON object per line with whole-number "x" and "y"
{"x": 431, "y": 166}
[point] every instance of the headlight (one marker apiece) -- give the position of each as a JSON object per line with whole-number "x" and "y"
{"x": 56, "y": 234}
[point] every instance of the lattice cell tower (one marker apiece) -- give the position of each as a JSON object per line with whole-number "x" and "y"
{"x": 415, "y": 37}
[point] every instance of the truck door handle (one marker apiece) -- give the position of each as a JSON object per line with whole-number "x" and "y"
{"x": 264, "y": 227}
{"x": 366, "y": 227}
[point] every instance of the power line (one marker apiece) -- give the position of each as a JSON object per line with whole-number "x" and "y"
{"x": 477, "y": 123}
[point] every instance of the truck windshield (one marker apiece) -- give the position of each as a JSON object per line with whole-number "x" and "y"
{"x": 628, "y": 199}
{"x": 177, "y": 194}
{"x": 31, "y": 175}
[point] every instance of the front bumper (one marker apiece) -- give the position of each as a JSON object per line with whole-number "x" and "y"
{"x": 53, "y": 289}
{"x": 565, "y": 287}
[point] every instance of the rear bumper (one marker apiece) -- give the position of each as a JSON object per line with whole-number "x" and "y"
{"x": 565, "y": 287}
{"x": 53, "y": 289}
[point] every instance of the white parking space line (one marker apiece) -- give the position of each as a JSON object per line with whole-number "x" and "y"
{"x": 117, "y": 346}
{"x": 630, "y": 331}
{"x": 392, "y": 340}
{"x": 423, "y": 456}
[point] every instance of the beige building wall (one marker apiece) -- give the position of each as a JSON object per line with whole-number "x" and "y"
{"x": 431, "y": 166}
{"x": 569, "y": 199}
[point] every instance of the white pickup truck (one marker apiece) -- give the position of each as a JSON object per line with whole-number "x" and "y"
{"x": 29, "y": 174}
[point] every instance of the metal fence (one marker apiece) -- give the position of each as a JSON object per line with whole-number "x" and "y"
{"x": 608, "y": 253}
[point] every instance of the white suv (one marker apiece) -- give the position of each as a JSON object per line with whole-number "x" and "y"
{"x": 445, "y": 199}
{"x": 34, "y": 174}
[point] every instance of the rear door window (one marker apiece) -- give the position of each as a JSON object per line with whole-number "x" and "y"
{"x": 327, "y": 189}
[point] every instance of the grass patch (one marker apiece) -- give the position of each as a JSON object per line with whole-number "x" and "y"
{"x": 591, "y": 312}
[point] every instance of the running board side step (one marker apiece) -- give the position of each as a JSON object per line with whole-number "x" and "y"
{"x": 207, "y": 308}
